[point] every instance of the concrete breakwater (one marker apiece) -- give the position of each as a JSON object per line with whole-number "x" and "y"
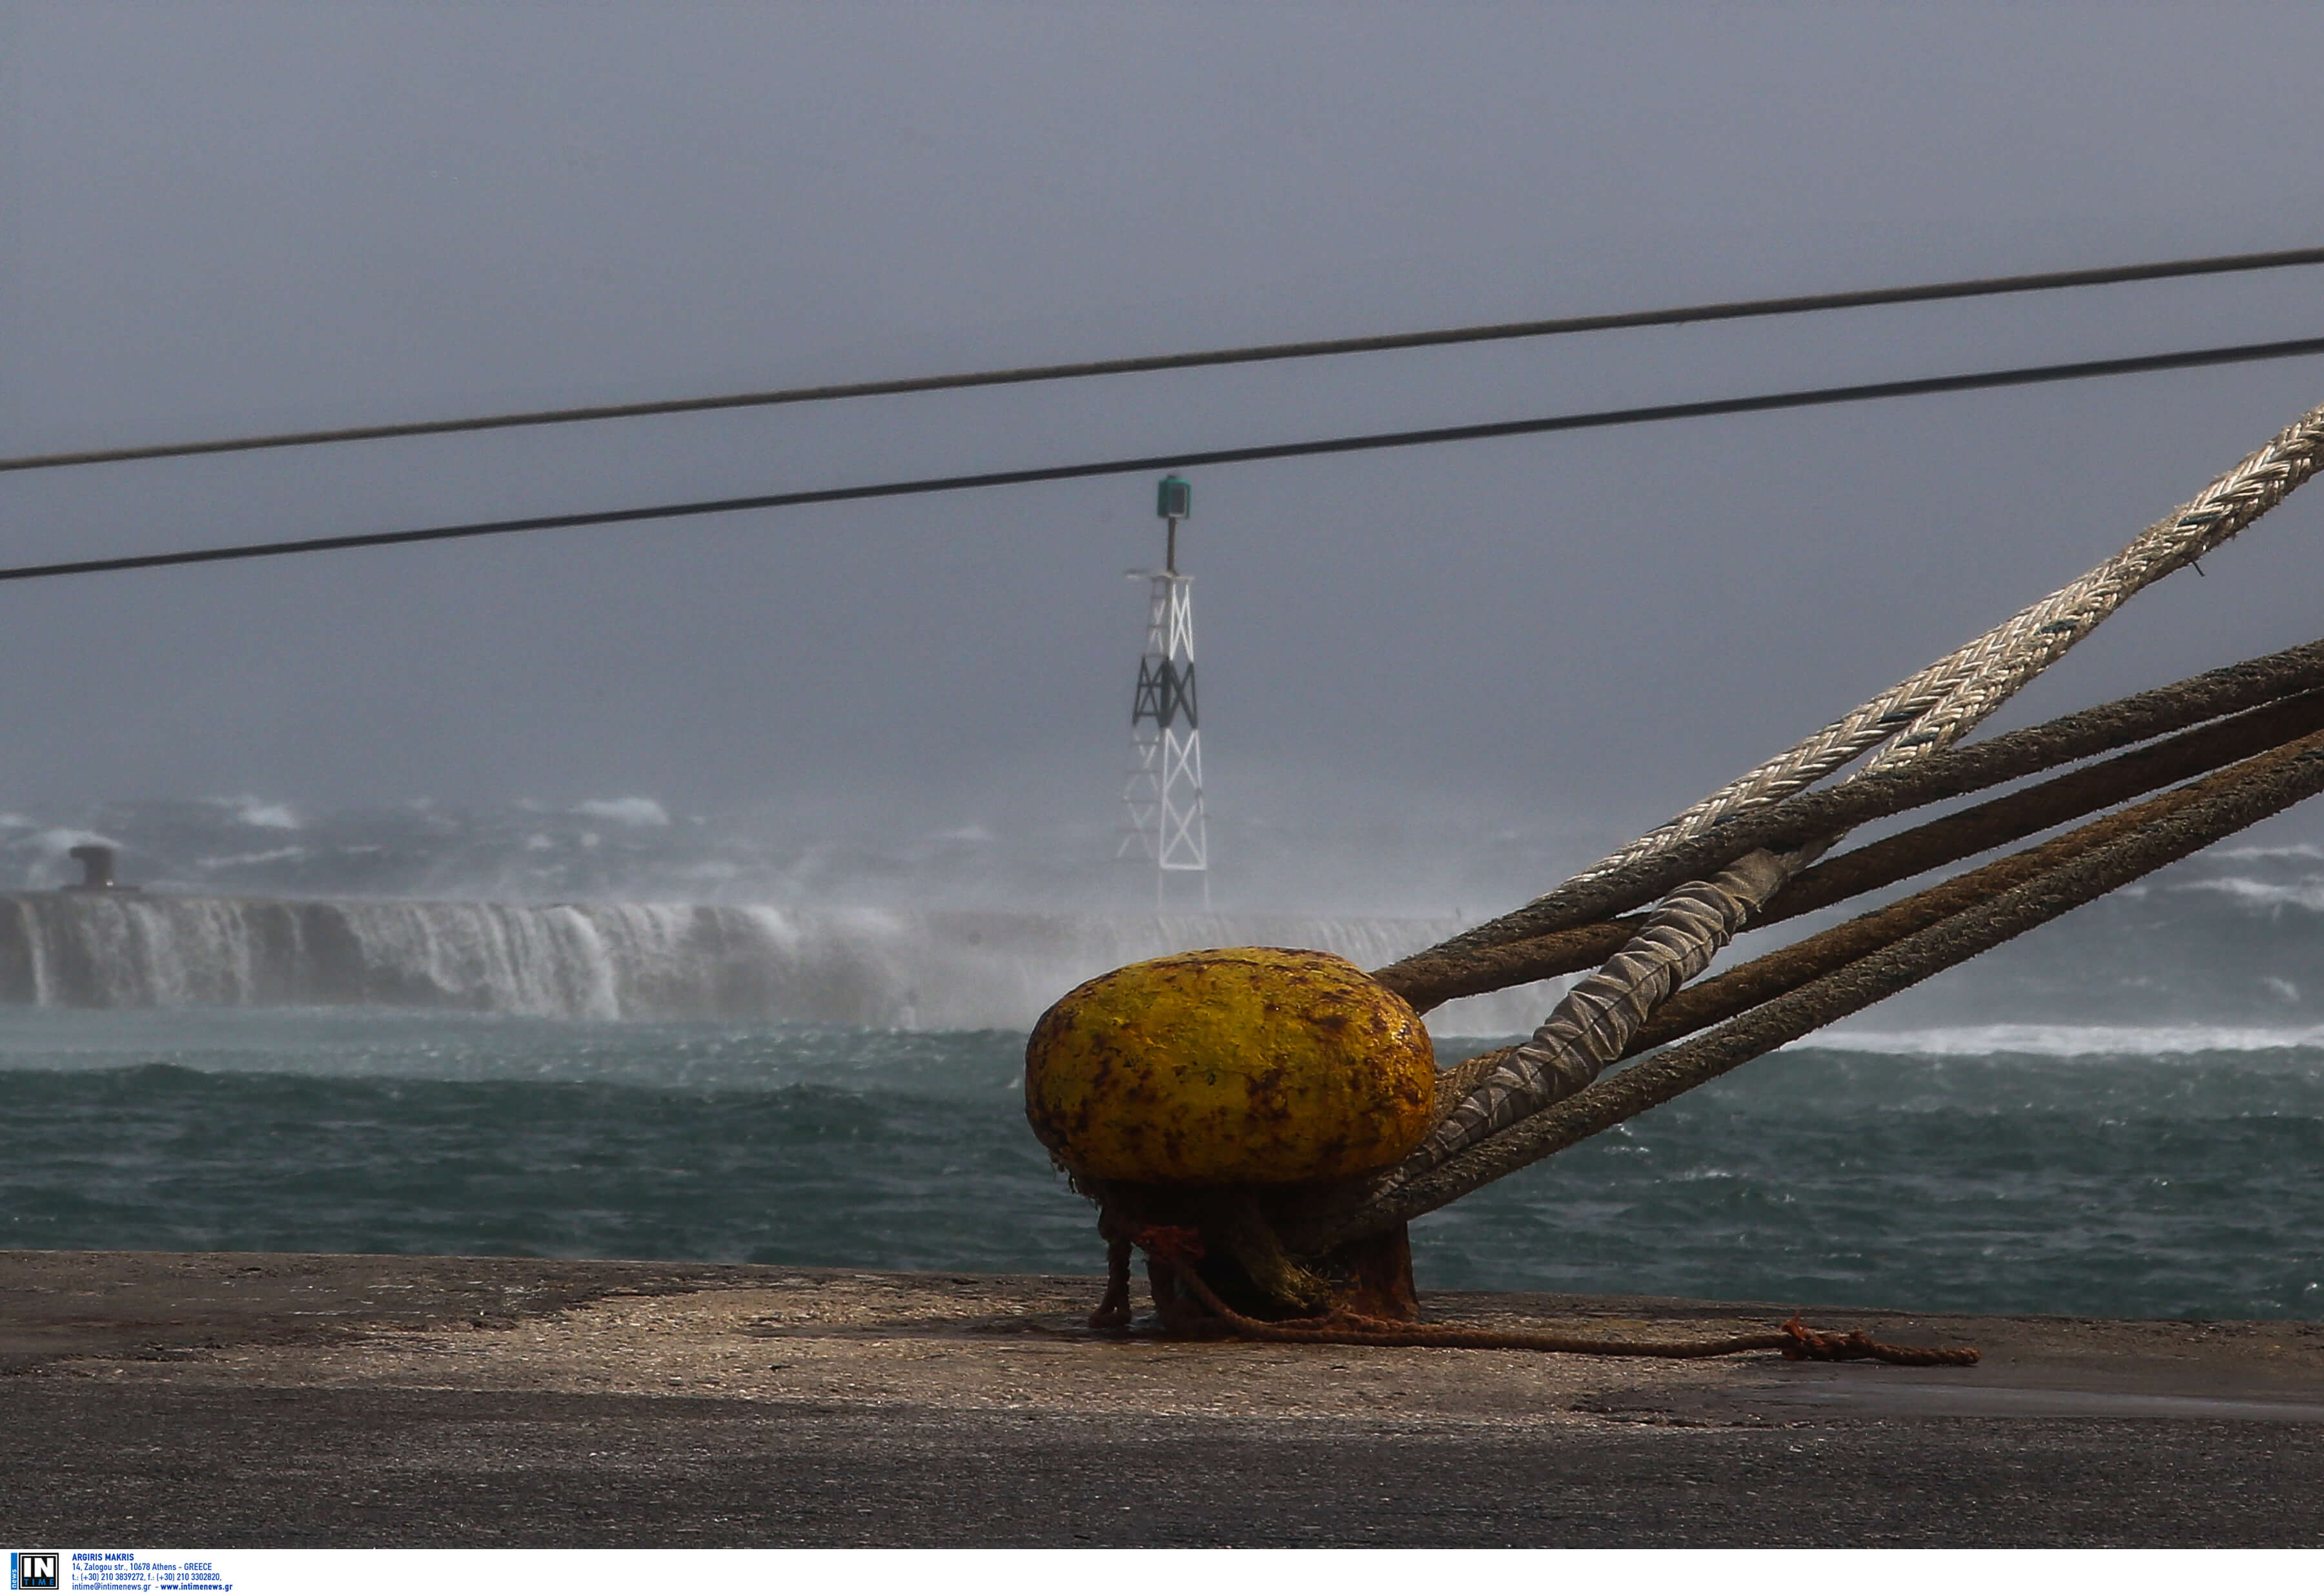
{"x": 612, "y": 960}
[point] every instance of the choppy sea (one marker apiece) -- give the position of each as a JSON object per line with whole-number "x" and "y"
{"x": 2123, "y": 1115}
{"x": 1954, "y": 1176}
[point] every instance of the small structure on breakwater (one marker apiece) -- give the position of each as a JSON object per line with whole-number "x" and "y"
{"x": 96, "y": 866}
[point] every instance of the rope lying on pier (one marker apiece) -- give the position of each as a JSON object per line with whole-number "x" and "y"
{"x": 1172, "y": 1254}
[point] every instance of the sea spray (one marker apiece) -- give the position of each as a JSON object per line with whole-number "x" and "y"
{"x": 867, "y": 967}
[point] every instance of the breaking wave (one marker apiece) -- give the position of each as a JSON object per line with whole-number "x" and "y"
{"x": 618, "y": 908}
{"x": 2068, "y": 1041}
{"x": 872, "y": 968}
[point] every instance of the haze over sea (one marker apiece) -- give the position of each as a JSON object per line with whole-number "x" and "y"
{"x": 2122, "y": 1114}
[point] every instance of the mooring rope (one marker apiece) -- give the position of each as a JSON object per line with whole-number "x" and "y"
{"x": 1174, "y": 1253}
{"x": 1929, "y": 846}
{"x": 2000, "y": 821}
{"x": 1592, "y": 1025}
{"x": 1767, "y": 978}
{"x": 1568, "y": 922}
{"x": 1936, "y": 706}
{"x": 2166, "y": 829}
{"x": 1505, "y": 1109}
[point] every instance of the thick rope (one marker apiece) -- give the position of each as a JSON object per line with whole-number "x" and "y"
{"x": 1788, "y": 968}
{"x": 1939, "y": 705}
{"x": 2021, "y": 813}
{"x": 1925, "y": 714}
{"x": 1568, "y": 923}
{"x": 2220, "y": 806}
{"x": 1925, "y": 847}
{"x": 1591, "y": 1026}
{"x": 2006, "y": 819}
{"x": 1172, "y": 1254}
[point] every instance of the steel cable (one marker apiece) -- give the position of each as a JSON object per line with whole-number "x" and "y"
{"x": 1964, "y": 381}
{"x": 1730, "y": 310}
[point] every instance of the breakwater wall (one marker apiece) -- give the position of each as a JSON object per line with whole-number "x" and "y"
{"x": 645, "y": 961}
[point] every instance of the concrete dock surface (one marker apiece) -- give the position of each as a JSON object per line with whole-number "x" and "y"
{"x": 236, "y": 1400}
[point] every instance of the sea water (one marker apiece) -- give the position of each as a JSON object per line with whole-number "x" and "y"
{"x": 300, "y": 1040}
{"x": 2068, "y": 1171}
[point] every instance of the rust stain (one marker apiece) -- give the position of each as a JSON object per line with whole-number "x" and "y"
{"x": 1233, "y": 1065}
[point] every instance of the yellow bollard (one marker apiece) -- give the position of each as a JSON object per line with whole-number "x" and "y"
{"x": 1240, "y": 1066}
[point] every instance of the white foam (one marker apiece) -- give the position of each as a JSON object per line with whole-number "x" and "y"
{"x": 2068, "y": 1041}
{"x": 874, "y": 967}
{"x": 2298, "y": 894}
{"x": 2298, "y": 849}
{"x": 266, "y": 817}
{"x": 624, "y": 811}
{"x": 273, "y": 855}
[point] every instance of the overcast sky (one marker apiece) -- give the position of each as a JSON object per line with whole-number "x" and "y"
{"x": 216, "y": 217}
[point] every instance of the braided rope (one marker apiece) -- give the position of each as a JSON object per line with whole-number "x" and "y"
{"x": 2164, "y": 829}
{"x": 1930, "y": 710}
{"x": 1591, "y": 1026}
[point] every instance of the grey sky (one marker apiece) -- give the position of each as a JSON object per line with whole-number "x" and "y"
{"x": 219, "y": 217}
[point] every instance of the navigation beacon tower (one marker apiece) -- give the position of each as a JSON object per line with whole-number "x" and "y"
{"x": 1165, "y": 793}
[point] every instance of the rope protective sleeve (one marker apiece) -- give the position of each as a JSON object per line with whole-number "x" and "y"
{"x": 1591, "y": 1026}
{"x": 1763, "y": 979}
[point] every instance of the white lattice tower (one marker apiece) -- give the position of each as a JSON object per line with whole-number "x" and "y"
{"x": 1163, "y": 796}
{"x": 1165, "y": 793}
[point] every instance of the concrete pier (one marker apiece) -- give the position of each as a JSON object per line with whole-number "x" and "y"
{"x": 245, "y": 1400}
